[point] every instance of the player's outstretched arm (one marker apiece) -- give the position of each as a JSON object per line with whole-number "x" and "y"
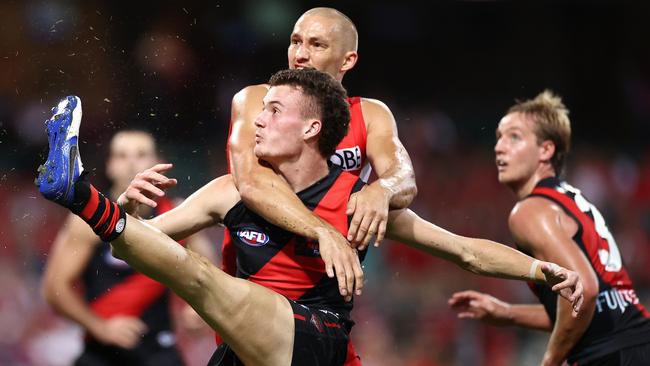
{"x": 476, "y": 305}
{"x": 200, "y": 210}
{"x": 271, "y": 197}
{"x": 544, "y": 230}
{"x": 204, "y": 208}
{"x": 482, "y": 256}
{"x": 395, "y": 187}
{"x": 71, "y": 252}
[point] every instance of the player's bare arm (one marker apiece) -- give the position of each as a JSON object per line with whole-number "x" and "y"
{"x": 542, "y": 228}
{"x": 204, "y": 208}
{"x": 268, "y": 194}
{"x": 483, "y": 256}
{"x": 472, "y": 304}
{"x": 72, "y": 250}
{"x": 395, "y": 187}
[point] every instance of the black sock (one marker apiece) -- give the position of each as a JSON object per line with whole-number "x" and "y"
{"x": 106, "y": 218}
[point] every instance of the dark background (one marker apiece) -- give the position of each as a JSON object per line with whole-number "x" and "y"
{"x": 447, "y": 70}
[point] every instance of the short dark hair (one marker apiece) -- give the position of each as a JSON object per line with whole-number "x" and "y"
{"x": 328, "y": 102}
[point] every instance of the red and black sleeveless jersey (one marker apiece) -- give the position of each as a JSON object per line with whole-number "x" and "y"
{"x": 113, "y": 288}
{"x": 289, "y": 264}
{"x": 350, "y": 155}
{"x": 619, "y": 320}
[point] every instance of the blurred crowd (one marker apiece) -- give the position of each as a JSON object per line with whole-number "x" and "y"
{"x": 173, "y": 70}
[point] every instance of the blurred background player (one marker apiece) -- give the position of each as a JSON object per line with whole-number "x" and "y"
{"x": 126, "y": 315}
{"x": 554, "y": 222}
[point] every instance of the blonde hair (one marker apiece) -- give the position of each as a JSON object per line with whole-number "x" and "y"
{"x": 551, "y": 119}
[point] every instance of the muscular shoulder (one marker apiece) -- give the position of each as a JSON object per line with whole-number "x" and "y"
{"x": 529, "y": 212}
{"x": 377, "y": 114}
{"x": 535, "y": 220}
{"x": 252, "y": 94}
{"x": 224, "y": 189}
{"x": 372, "y": 107}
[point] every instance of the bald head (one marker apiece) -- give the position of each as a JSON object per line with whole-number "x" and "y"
{"x": 342, "y": 26}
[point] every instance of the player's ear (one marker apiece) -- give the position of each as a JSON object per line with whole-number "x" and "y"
{"x": 547, "y": 150}
{"x": 313, "y": 128}
{"x": 349, "y": 60}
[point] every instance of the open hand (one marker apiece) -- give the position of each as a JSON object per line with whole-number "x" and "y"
{"x": 145, "y": 187}
{"x": 369, "y": 209}
{"x": 122, "y": 331}
{"x": 341, "y": 260}
{"x": 565, "y": 283}
{"x": 477, "y": 305}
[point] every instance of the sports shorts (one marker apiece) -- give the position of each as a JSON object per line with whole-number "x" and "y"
{"x": 321, "y": 339}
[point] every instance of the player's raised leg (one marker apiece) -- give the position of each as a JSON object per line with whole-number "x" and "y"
{"x": 256, "y": 322}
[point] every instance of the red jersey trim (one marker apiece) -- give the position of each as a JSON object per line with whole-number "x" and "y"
{"x": 131, "y": 297}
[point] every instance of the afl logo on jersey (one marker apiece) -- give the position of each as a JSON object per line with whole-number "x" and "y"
{"x": 253, "y": 237}
{"x": 348, "y": 158}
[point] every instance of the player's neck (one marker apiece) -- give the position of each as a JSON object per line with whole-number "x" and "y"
{"x": 524, "y": 188}
{"x": 304, "y": 171}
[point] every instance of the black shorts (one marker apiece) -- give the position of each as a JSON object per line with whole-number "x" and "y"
{"x": 321, "y": 339}
{"x": 631, "y": 356}
{"x": 148, "y": 353}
